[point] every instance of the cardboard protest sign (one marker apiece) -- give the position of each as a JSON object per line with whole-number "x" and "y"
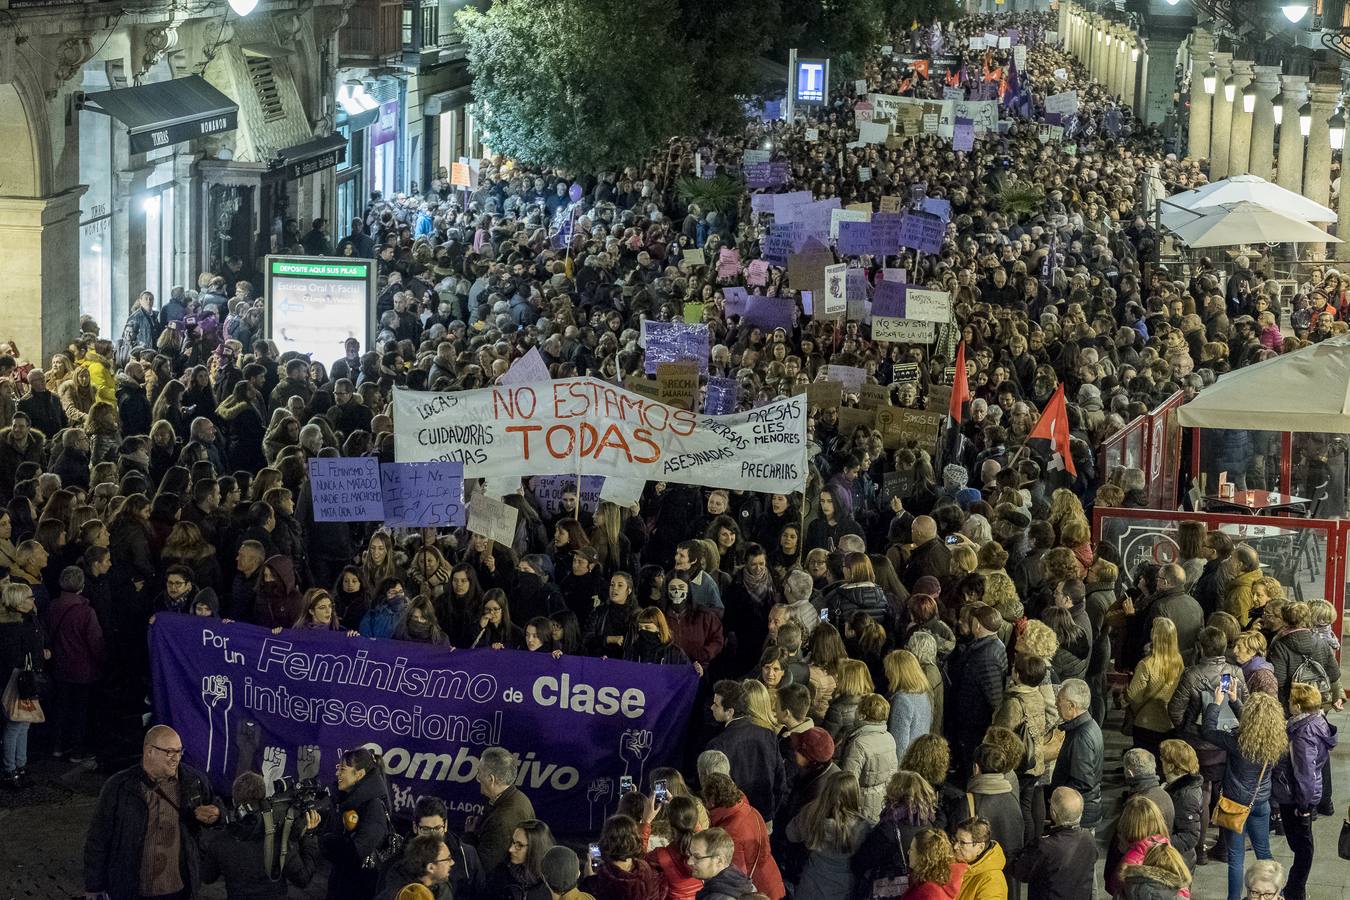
{"x": 417, "y": 495}
{"x": 528, "y": 369}
{"x": 677, "y": 384}
{"x": 460, "y": 176}
{"x": 693, "y": 256}
{"x": 835, "y": 299}
{"x": 491, "y": 518}
{"x": 851, "y": 419}
{"x": 890, "y": 204}
{"x": 900, "y": 426}
{"x": 823, "y": 394}
{"x": 928, "y": 306}
{"x": 806, "y": 270}
{"x": 346, "y": 489}
{"x": 643, "y": 387}
{"x": 874, "y": 395}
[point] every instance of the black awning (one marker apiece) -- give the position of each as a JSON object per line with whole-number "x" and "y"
{"x": 310, "y": 157}
{"x": 167, "y": 112}
{"x": 361, "y": 120}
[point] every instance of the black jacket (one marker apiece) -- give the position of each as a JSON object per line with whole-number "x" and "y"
{"x": 974, "y": 688}
{"x": 1289, "y": 651}
{"x": 1058, "y": 866}
{"x": 1080, "y": 765}
{"x": 347, "y": 848}
{"x": 116, "y": 837}
{"x": 235, "y": 853}
{"x": 45, "y": 411}
{"x": 756, "y": 764}
{"x": 1188, "y": 802}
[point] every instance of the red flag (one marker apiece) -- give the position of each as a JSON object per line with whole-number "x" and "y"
{"x": 1054, "y": 427}
{"x": 960, "y": 387}
{"x": 920, "y": 66}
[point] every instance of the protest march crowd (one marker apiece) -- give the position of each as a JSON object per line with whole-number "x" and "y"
{"x": 905, "y": 670}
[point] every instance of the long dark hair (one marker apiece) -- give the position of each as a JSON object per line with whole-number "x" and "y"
{"x": 570, "y": 642}
{"x": 539, "y": 840}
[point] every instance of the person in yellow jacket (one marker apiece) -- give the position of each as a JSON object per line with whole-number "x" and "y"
{"x": 1240, "y": 597}
{"x": 98, "y": 361}
{"x": 975, "y": 846}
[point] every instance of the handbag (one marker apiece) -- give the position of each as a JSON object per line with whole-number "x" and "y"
{"x": 17, "y": 707}
{"x": 1343, "y": 845}
{"x": 1233, "y": 815}
{"x": 891, "y": 880}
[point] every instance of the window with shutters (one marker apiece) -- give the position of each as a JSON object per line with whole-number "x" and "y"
{"x": 265, "y": 87}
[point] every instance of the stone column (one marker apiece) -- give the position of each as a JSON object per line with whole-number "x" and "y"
{"x": 1160, "y": 77}
{"x": 1267, "y": 82}
{"x": 42, "y": 273}
{"x": 1125, "y": 40}
{"x": 1118, "y": 52}
{"x": 1064, "y": 19}
{"x": 1197, "y": 134}
{"x": 1324, "y": 93}
{"x": 1240, "y": 134}
{"x": 1132, "y": 53}
{"x": 1293, "y": 93}
{"x": 1221, "y": 125}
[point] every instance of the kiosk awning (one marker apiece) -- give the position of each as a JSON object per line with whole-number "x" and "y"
{"x": 310, "y": 157}
{"x": 167, "y": 112}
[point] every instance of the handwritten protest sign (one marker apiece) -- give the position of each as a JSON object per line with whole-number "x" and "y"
{"x": 769, "y": 313}
{"x": 856, "y": 283}
{"x": 812, "y": 135}
{"x": 963, "y": 135}
{"x": 526, "y": 370}
{"x": 806, "y": 269}
{"x": 728, "y": 263}
{"x": 939, "y": 207}
{"x": 757, "y": 273}
{"x": 491, "y": 518}
{"x": 422, "y": 494}
{"x": 928, "y": 306}
{"x": 840, "y": 216}
{"x": 873, "y": 396}
{"x": 822, "y": 394}
{"x": 346, "y": 489}
{"x": 622, "y": 491}
{"x": 785, "y": 206}
{"x": 675, "y": 341}
{"x": 900, "y": 426}
{"x": 852, "y": 377}
{"x": 852, "y": 418}
{"x": 722, "y": 397}
{"x": 693, "y": 312}
{"x": 855, "y": 238}
{"x": 1064, "y": 103}
{"x": 864, "y": 174}
{"x": 901, "y": 331}
{"x": 548, "y": 491}
{"x": 890, "y": 204}
{"x": 889, "y": 300}
{"x": 590, "y": 425}
{"x": 643, "y": 387}
{"x": 762, "y": 203}
{"x": 922, "y": 232}
{"x": 835, "y": 300}
{"x": 693, "y": 256}
{"x": 677, "y": 384}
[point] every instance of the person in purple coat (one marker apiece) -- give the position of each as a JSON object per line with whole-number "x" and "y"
{"x": 78, "y": 654}
{"x": 1297, "y": 785}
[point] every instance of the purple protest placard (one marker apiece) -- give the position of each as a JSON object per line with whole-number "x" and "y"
{"x": 548, "y": 492}
{"x": 815, "y": 218}
{"x": 921, "y": 232}
{"x": 855, "y": 284}
{"x": 938, "y": 207}
{"x": 963, "y": 134}
{"x": 762, "y": 203}
{"x": 722, "y": 396}
{"x": 431, "y": 715}
{"x": 346, "y": 489}
{"x": 529, "y": 369}
{"x": 782, "y": 241}
{"x": 889, "y": 299}
{"x": 885, "y": 234}
{"x": 676, "y": 341}
{"x": 766, "y": 174}
{"x": 768, "y": 313}
{"x": 423, "y": 494}
{"x": 855, "y": 238}
{"x": 736, "y": 300}
{"x": 785, "y": 206}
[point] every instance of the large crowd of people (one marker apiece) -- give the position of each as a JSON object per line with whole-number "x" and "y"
{"x": 905, "y": 680}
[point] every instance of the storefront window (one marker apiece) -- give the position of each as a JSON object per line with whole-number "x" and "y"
{"x": 96, "y": 207}
{"x": 158, "y": 208}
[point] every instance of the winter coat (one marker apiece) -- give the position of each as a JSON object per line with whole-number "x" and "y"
{"x": 845, "y": 600}
{"x": 643, "y": 882}
{"x": 1244, "y": 780}
{"x": 1188, "y": 804}
{"x": 116, "y": 835}
{"x": 1080, "y": 765}
{"x": 840, "y": 719}
{"x": 101, "y": 377}
{"x": 1289, "y": 651}
{"x": 870, "y": 754}
{"x": 1261, "y": 677}
{"x": 994, "y": 799}
{"x": 828, "y": 873}
{"x": 1149, "y": 785}
{"x": 698, "y": 633}
{"x": 1149, "y": 693}
{"x": 133, "y": 406}
{"x": 975, "y": 679}
{"x": 1185, "y": 614}
{"x": 756, "y": 765}
{"x": 11, "y": 457}
{"x": 380, "y": 621}
{"x": 1133, "y": 856}
{"x": 1193, "y": 693}
{"x": 985, "y": 878}
{"x": 76, "y": 639}
{"x": 1298, "y": 774}
{"x": 20, "y": 638}
{"x": 244, "y": 432}
{"x": 1140, "y": 882}
{"x": 1239, "y": 598}
{"x": 347, "y": 847}
{"x": 72, "y": 465}
{"x": 235, "y": 853}
{"x": 729, "y": 884}
{"x": 679, "y": 879}
{"x": 492, "y": 834}
{"x": 927, "y": 890}
{"x": 822, "y": 692}
{"x": 911, "y": 716}
{"x": 1060, "y": 865}
{"x": 44, "y": 412}
{"x": 279, "y": 603}
{"x": 1025, "y": 708}
{"x": 746, "y": 828}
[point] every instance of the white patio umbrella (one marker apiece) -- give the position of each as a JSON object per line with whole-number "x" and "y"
{"x": 1240, "y": 188}
{"x": 1247, "y": 223}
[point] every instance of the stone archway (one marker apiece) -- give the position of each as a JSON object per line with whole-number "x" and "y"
{"x": 21, "y": 168}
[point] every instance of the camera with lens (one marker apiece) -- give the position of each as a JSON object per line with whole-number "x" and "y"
{"x": 236, "y": 814}
{"x": 303, "y": 794}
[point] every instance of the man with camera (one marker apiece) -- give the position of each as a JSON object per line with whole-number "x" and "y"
{"x": 266, "y": 844}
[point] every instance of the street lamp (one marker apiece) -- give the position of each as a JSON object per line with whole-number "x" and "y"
{"x": 1229, "y": 87}
{"x": 1305, "y": 119}
{"x": 1277, "y": 110}
{"x": 1249, "y": 97}
{"x": 243, "y": 7}
{"x": 1294, "y": 12}
{"x": 1337, "y": 126}
{"x": 1211, "y": 74}
{"x": 1134, "y": 54}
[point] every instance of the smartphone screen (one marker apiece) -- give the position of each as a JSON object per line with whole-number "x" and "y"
{"x": 595, "y": 853}
{"x": 626, "y": 784}
{"x": 1225, "y": 682}
{"x": 824, "y": 615}
{"x": 661, "y": 791}
{"x": 952, "y": 539}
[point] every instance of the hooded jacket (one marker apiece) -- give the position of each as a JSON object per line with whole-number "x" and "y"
{"x": 729, "y": 884}
{"x": 1288, "y": 652}
{"x": 642, "y": 882}
{"x": 1298, "y": 774}
{"x": 1142, "y": 882}
{"x": 746, "y": 828}
{"x": 984, "y": 878}
{"x": 870, "y": 754}
{"x": 76, "y": 639}
{"x": 100, "y": 376}
{"x": 278, "y": 603}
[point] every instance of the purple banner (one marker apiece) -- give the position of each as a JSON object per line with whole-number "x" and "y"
{"x": 888, "y": 299}
{"x": 346, "y": 489}
{"x": 855, "y": 238}
{"x": 722, "y": 397}
{"x": 423, "y": 494}
{"x": 766, "y": 174}
{"x": 886, "y": 234}
{"x": 768, "y": 313}
{"x": 922, "y": 232}
{"x": 676, "y": 341}
{"x": 431, "y": 714}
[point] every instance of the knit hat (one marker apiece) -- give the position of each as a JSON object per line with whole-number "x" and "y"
{"x": 208, "y": 597}
{"x": 798, "y": 587}
{"x": 815, "y": 744}
{"x": 954, "y": 476}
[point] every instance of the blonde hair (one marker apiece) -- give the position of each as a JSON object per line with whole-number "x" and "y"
{"x": 1038, "y": 640}
{"x": 759, "y": 705}
{"x": 1323, "y": 613}
{"x": 1178, "y": 758}
{"x": 1252, "y": 642}
{"x": 911, "y": 789}
{"x": 1075, "y": 533}
{"x": 1166, "y": 857}
{"x": 904, "y": 674}
{"x": 931, "y": 857}
{"x": 964, "y": 560}
{"x": 853, "y": 679}
{"x": 1261, "y": 736}
{"x": 1165, "y": 656}
{"x": 874, "y": 708}
{"x": 1139, "y": 819}
{"x": 1304, "y": 698}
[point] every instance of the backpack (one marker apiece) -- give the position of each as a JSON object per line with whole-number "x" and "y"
{"x": 1310, "y": 671}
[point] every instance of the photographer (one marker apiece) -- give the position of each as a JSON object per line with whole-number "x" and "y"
{"x": 257, "y": 866}
{"x": 358, "y": 827}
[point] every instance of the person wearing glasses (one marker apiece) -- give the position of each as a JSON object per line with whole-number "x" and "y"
{"x": 144, "y": 837}
{"x": 427, "y": 861}
{"x": 1264, "y": 880}
{"x": 467, "y": 878}
{"x": 710, "y": 853}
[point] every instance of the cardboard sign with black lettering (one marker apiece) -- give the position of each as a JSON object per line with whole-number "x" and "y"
{"x": 642, "y": 386}
{"x": 851, "y": 419}
{"x": 677, "y": 384}
{"x": 872, "y": 396}
{"x": 822, "y": 394}
{"x": 900, "y": 426}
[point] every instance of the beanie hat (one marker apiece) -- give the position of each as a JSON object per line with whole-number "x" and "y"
{"x": 798, "y": 587}
{"x": 954, "y": 476}
{"x": 208, "y": 597}
{"x": 815, "y": 744}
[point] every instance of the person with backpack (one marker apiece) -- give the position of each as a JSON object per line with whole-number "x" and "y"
{"x": 1028, "y": 710}
{"x": 1297, "y": 655}
{"x": 1298, "y": 781}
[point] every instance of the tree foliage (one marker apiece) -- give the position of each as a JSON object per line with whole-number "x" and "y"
{"x": 844, "y": 30}
{"x": 723, "y": 42}
{"x": 581, "y": 84}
